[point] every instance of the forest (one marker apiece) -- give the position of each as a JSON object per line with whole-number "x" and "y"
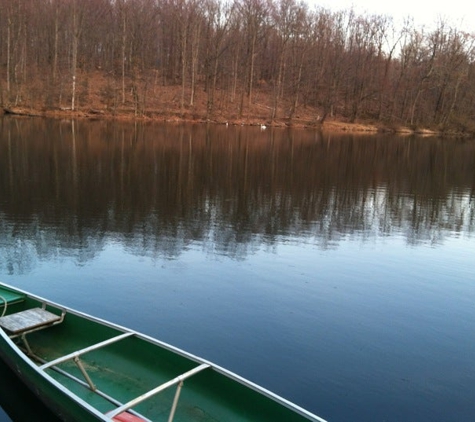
{"x": 225, "y": 60}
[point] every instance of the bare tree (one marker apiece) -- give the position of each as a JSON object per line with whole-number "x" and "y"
{"x": 254, "y": 14}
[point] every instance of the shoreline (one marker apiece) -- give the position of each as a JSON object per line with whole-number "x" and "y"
{"x": 330, "y": 125}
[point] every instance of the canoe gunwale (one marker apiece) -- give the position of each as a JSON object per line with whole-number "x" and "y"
{"x": 126, "y": 332}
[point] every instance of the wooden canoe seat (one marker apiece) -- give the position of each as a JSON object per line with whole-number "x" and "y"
{"x": 29, "y": 320}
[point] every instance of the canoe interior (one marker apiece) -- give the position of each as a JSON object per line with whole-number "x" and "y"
{"x": 135, "y": 365}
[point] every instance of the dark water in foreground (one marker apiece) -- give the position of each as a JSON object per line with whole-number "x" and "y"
{"x": 336, "y": 271}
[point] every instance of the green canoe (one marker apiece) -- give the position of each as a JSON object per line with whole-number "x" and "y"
{"x": 87, "y": 369}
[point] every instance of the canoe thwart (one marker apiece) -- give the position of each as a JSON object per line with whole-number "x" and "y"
{"x": 80, "y": 352}
{"x": 177, "y": 380}
{"x": 29, "y": 320}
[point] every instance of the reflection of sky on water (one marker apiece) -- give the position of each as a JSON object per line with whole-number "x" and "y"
{"x": 366, "y": 320}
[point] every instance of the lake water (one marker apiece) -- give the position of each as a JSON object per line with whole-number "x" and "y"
{"x": 336, "y": 271}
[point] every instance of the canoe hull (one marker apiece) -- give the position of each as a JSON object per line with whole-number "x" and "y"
{"x": 85, "y": 368}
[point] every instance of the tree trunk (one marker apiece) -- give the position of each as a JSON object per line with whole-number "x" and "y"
{"x": 9, "y": 43}
{"x": 74, "y": 55}
{"x": 124, "y": 40}
{"x": 183, "y": 67}
{"x": 56, "y": 41}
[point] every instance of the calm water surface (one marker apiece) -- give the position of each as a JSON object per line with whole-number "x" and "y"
{"x": 337, "y": 271}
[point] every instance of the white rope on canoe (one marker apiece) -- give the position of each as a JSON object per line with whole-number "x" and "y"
{"x": 4, "y": 307}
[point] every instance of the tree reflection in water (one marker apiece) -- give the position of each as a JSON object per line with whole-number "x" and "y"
{"x": 66, "y": 189}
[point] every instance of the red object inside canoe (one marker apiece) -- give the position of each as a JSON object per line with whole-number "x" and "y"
{"x": 127, "y": 417}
